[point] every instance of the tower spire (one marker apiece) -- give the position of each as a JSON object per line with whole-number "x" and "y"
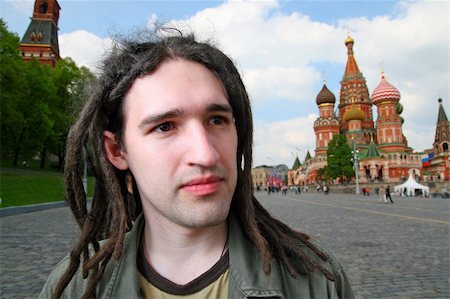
{"x": 351, "y": 68}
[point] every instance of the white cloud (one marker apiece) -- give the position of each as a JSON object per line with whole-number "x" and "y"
{"x": 282, "y": 140}
{"x": 275, "y": 82}
{"x": 85, "y": 48}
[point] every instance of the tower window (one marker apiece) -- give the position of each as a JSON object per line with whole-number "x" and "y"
{"x": 445, "y": 146}
{"x": 43, "y": 7}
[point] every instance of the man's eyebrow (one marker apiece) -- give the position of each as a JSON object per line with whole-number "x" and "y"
{"x": 219, "y": 108}
{"x": 156, "y": 118}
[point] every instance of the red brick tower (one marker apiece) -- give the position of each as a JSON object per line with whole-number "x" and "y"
{"x": 354, "y": 92}
{"x": 40, "y": 41}
{"x": 327, "y": 124}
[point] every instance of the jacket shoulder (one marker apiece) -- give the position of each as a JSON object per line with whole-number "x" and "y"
{"x": 76, "y": 287}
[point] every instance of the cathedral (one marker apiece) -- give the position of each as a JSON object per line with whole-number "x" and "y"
{"x": 380, "y": 148}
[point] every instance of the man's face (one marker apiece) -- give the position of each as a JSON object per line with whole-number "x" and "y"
{"x": 180, "y": 143}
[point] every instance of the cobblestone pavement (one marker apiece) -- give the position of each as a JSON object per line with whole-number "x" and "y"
{"x": 396, "y": 250}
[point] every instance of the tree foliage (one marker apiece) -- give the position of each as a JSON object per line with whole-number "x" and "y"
{"x": 37, "y": 102}
{"x": 339, "y": 158}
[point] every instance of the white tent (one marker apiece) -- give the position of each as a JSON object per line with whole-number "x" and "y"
{"x": 411, "y": 186}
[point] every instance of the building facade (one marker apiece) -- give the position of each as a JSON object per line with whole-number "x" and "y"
{"x": 269, "y": 176}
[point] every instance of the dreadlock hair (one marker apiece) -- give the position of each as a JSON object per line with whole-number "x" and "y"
{"x": 113, "y": 209}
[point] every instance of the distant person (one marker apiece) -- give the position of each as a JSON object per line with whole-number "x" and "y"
{"x": 169, "y": 128}
{"x": 388, "y": 194}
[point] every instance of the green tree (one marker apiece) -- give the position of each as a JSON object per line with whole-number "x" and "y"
{"x": 40, "y": 91}
{"x": 71, "y": 83}
{"x": 339, "y": 158}
{"x": 63, "y": 76}
{"x": 25, "y": 88}
{"x": 13, "y": 87}
{"x": 322, "y": 174}
{"x": 38, "y": 102}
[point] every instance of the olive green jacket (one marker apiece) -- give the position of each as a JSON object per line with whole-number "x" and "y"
{"x": 247, "y": 279}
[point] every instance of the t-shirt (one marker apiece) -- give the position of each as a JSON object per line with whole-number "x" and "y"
{"x": 211, "y": 284}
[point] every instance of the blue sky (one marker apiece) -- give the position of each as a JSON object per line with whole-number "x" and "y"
{"x": 284, "y": 50}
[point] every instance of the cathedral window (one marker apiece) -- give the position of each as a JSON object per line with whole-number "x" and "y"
{"x": 43, "y": 7}
{"x": 445, "y": 146}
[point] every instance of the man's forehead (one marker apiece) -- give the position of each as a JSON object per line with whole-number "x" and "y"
{"x": 176, "y": 88}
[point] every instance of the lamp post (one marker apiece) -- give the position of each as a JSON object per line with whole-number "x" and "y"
{"x": 273, "y": 170}
{"x": 355, "y": 160}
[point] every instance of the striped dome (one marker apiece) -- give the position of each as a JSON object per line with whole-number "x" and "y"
{"x": 354, "y": 113}
{"x": 325, "y": 96}
{"x": 385, "y": 91}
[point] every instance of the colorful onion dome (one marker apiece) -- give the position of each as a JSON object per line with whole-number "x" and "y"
{"x": 399, "y": 108}
{"x": 385, "y": 91}
{"x": 325, "y": 96}
{"x": 354, "y": 113}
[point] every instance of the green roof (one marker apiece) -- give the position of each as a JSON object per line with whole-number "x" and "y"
{"x": 372, "y": 151}
{"x": 442, "y": 117}
{"x": 297, "y": 164}
{"x": 308, "y": 156}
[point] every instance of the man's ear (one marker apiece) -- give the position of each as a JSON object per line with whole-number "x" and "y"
{"x": 113, "y": 151}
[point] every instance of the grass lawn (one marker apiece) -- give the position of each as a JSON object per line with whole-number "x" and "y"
{"x": 20, "y": 186}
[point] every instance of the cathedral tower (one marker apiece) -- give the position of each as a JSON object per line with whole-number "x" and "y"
{"x": 437, "y": 163}
{"x": 354, "y": 92}
{"x": 389, "y": 123}
{"x": 41, "y": 38}
{"x": 442, "y": 137}
{"x": 327, "y": 124}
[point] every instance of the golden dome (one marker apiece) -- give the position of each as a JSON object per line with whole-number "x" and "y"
{"x": 349, "y": 40}
{"x": 354, "y": 113}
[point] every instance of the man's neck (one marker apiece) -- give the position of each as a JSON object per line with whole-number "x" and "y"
{"x": 182, "y": 254}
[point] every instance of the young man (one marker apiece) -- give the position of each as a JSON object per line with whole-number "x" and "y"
{"x": 168, "y": 129}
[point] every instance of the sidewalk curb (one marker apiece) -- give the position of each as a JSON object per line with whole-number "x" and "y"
{"x": 11, "y": 211}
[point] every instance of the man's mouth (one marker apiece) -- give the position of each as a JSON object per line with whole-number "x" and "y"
{"x": 203, "y": 186}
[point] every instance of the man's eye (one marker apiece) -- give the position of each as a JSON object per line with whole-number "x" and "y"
{"x": 219, "y": 120}
{"x": 165, "y": 127}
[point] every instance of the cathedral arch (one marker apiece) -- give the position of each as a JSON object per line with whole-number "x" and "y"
{"x": 324, "y": 122}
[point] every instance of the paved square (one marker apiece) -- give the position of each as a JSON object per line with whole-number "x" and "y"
{"x": 398, "y": 250}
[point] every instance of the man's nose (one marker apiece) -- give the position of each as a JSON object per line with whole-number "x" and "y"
{"x": 202, "y": 147}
